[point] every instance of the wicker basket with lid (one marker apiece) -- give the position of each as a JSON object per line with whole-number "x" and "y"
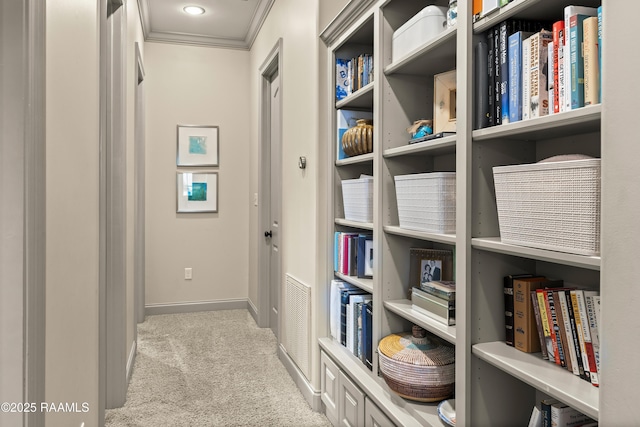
{"x": 418, "y": 367}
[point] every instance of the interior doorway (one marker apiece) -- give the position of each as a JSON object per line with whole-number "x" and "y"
{"x": 270, "y": 175}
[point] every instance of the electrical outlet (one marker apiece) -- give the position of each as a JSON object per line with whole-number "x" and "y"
{"x": 188, "y": 273}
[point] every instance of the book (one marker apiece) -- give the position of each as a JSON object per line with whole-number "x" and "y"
{"x": 504, "y": 31}
{"x": 550, "y": 77}
{"x": 576, "y": 61}
{"x": 566, "y": 324}
{"x": 561, "y": 332}
{"x": 445, "y": 289}
{"x": 508, "y": 305}
{"x": 482, "y": 77}
{"x": 586, "y": 334}
{"x": 497, "y": 77}
{"x": 562, "y": 415}
{"x": 342, "y": 79}
{"x": 546, "y": 328}
{"x": 344, "y": 310}
{"x": 591, "y": 61}
{"x": 526, "y": 78}
{"x": 599, "y": 14}
{"x": 524, "y": 324}
{"x": 364, "y": 258}
{"x": 489, "y": 6}
{"x": 367, "y": 333}
{"x": 490, "y": 79}
{"x": 580, "y": 333}
{"x": 430, "y": 137}
{"x": 335, "y": 308}
{"x": 535, "y": 419}
{"x": 538, "y": 73}
{"x": 545, "y": 411}
{"x": 594, "y": 324}
{"x": 576, "y": 336}
{"x": 440, "y": 309}
{"x": 568, "y": 12}
{"x": 536, "y": 312}
{"x": 515, "y": 74}
{"x": 558, "y": 66}
{"x": 559, "y": 349}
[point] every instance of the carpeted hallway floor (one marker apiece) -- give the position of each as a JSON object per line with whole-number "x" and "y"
{"x": 210, "y": 369}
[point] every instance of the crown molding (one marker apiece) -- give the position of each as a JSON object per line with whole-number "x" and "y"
{"x": 347, "y": 16}
{"x": 257, "y": 20}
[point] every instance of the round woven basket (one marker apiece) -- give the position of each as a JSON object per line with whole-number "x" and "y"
{"x": 418, "y": 367}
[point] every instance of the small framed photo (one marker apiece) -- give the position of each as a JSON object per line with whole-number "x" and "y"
{"x": 428, "y": 265}
{"x": 198, "y": 145}
{"x": 444, "y": 102}
{"x": 197, "y": 192}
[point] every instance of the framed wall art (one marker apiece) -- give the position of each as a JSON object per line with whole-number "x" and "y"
{"x": 198, "y": 145}
{"x": 197, "y": 192}
{"x": 429, "y": 265}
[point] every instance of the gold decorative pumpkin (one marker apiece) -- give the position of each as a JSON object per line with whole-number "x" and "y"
{"x": 358, "y": 139}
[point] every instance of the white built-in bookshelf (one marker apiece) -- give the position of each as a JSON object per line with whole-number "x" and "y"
{"x": 496, "y": 384}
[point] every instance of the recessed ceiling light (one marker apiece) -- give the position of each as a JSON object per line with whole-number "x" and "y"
{"x": 194, "y": 10}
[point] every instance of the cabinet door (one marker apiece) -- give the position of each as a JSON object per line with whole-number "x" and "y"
{"x": 350, "y": 403}
{"x": 329, "y": 380}
{"x": 374, "y": 417}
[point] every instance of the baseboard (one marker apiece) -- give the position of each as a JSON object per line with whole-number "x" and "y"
{"x": 131, "y": 361}
{"x": 312, "y": 396}
{"x": 253, "y": 310}
{"x": 192, "y": 307}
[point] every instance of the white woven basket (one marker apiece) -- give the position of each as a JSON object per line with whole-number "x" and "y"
{"x": 427, "y": 201}
{"x": 357, "y": 197}
{"x": 554, "y": 206}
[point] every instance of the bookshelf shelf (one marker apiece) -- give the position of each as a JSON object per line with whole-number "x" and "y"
{"x": 366, "y": 284}
{"x": 362, "y": 98}
{"x": 446, "y": 145}
{"x": 428, "y": 59}
{"x": 404, "y": 309}
{"x": 433, "y": 237}
{"x": 361, "y": 159}
{"x": 354, "y": 224}
{"x": 401, "y": 412}
{"x": 494, "y": 244}
{"x": 541, "y": 374}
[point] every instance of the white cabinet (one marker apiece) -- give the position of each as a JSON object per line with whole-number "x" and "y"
{"x": 373, "y": 416}
{"x": 350, "y": 403}
{"x": 329, "y": 383}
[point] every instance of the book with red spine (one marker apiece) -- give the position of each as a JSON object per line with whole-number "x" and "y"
{"x": 558, "y": 65}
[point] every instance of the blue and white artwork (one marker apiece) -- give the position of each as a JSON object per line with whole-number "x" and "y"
{"x": 197, "y": 192}
{"x": 198, "y": 145}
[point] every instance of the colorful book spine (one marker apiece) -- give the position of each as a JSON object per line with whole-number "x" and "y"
{"x": 504, "y": 70}
{"x": 497, "y": 77}
{"x": 577, "y": 60}
{"x": 575, "y": 335}
{"x": 491, "y": 79}
{"x": 536, "y": 312}
{"x": 569, "y": 11}
{"x": 555, "y": 330}
{"x": 586, "y": 333}
{"x": 550, "y": 78}
{"x": 538, "y": 80}
{"x": 546, "y": 329}
{"x": 526, "y": 78}
{"x": 599, "y": 14}
{"x": 591, "y": 64}
{"x": 558, "y": 66}
{"x": 562, "y": 300}
{"x": 580, "y": 333}
{"x": 515, "y": 75}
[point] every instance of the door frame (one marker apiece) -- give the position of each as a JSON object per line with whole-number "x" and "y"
{"x": 139, "y": 193}
{"x": 272, "y": 64}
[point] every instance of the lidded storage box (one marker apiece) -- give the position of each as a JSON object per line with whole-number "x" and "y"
{"x": 357, "y": 197}
{"x": 552, "y": 205}
{"x": 422, "y": 27}
{"x": 417, "y": 366}
{"x": 427, "y": 201}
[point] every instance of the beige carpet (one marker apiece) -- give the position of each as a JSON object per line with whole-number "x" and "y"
{"x": 210, "y": 369}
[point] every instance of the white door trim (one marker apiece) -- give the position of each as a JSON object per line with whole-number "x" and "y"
{"x": 139, "y": 192}
{"x": 272, "y": 63}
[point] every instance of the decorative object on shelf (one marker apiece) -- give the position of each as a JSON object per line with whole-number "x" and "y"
{"x": 420, "y": 128}
{"x": 452, "y": 13}
{"x": 358, "y": 139}
{"x": 430, "y": 137}
{"x": 427, "y": 201}
{"x": 197, "y": 145}
{"x": 429, "y": 265}
{"x": 417, "y": 31}
{"x": 444, "y": 102}
{"x": 552, "y": 205}
{"x": 346, "y": 119}
{"x": 447, "y": 411}
{"x": 197, "y": 192}
{"x": 417, "y": 366}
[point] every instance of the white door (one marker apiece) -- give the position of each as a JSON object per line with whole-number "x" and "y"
{"x": 274, "y": 201}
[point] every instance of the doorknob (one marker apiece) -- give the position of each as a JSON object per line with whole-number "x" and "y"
{"x": 268, "y": 234}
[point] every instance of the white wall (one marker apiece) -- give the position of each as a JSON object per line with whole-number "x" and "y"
{"x": 72, "y": 137}
{"x": 199, "y": 86}
{"x": 294, "y": 21}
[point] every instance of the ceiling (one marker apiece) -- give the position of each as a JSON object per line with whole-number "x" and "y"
{"x": 225, "y": 23}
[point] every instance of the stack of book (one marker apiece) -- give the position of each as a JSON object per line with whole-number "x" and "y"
{"x": 560, "y": 322}
{"x": 353, "y": 254}
{"x": 351, "y": 310}
{"x": 353, "y": 74}
{"x": 531, "y": 69}
{"x": 554, "y": 413}
{"x": 437, "y": 300}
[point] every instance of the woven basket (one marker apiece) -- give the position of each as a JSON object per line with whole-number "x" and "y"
{"x": 416, "y": 367}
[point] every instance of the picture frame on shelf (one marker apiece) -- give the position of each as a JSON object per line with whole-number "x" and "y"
{"x": 428, "y": 265}
{"x": 444, "y": 102}
{"x": 197, "y": 192}
{"x": 198, "y": 145}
